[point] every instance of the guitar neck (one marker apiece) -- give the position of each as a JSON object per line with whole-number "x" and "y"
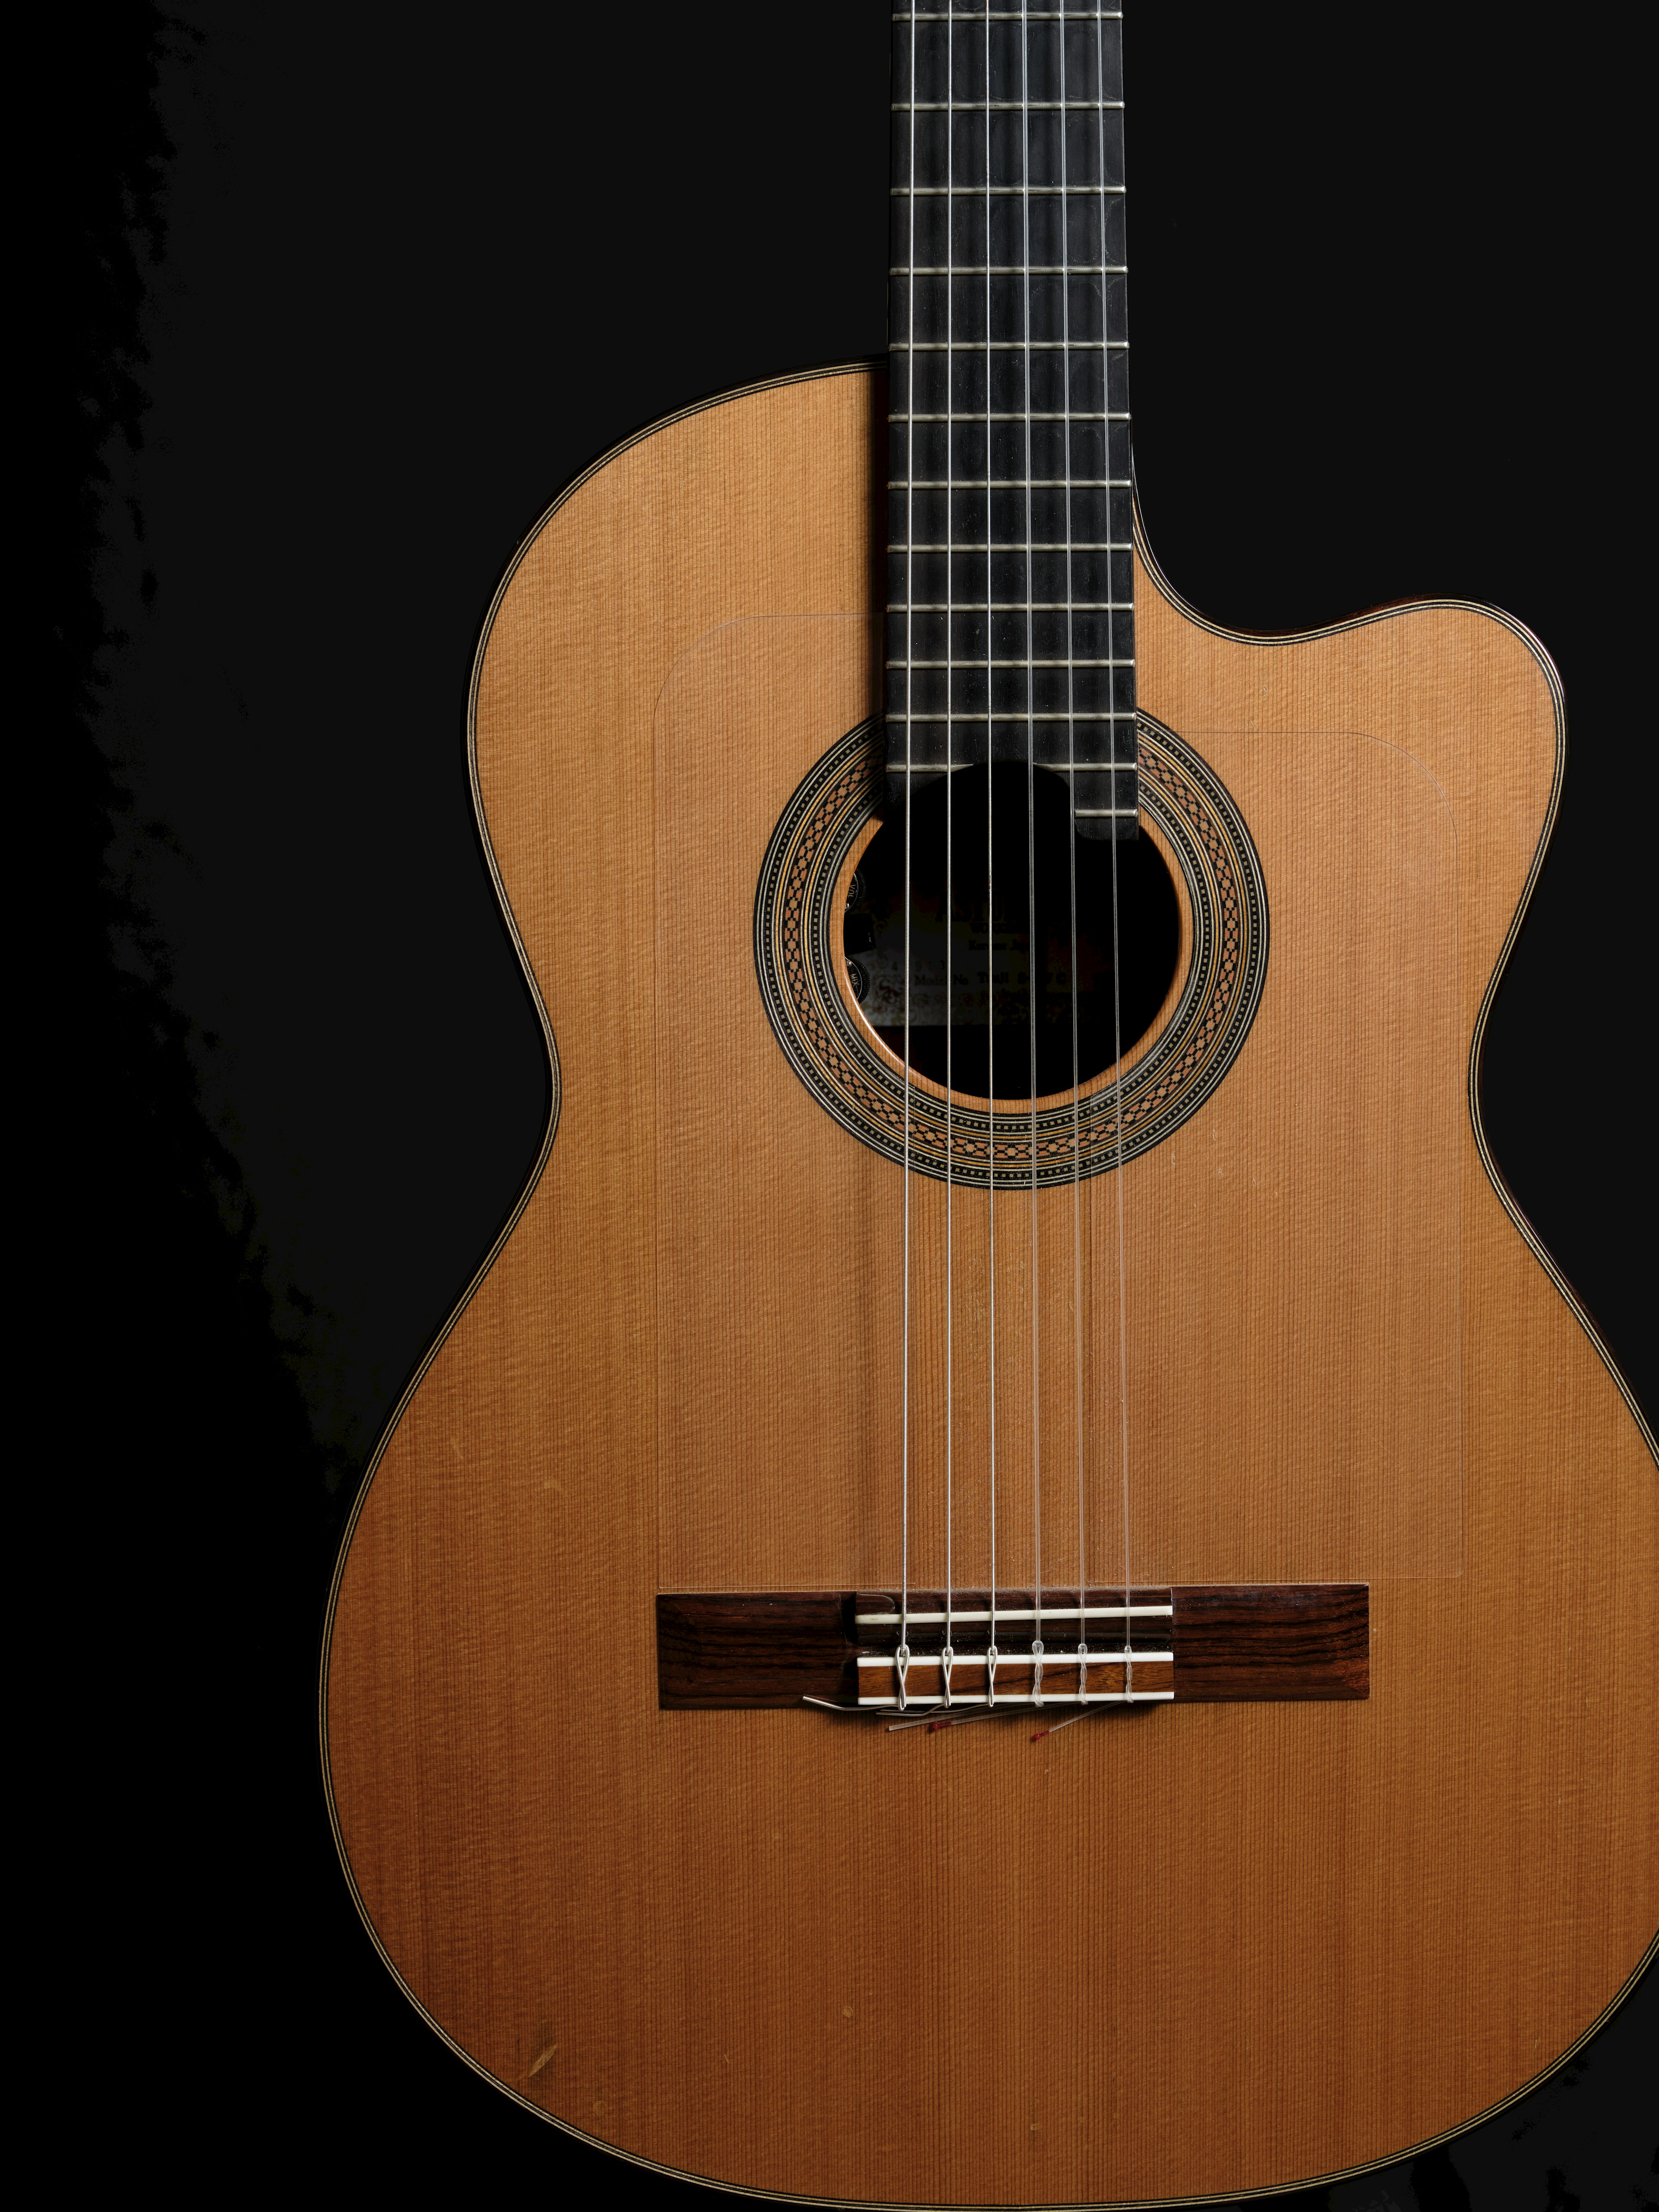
{"x": 1010, "y": 602}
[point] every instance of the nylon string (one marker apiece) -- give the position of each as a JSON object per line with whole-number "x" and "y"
{"x": 1080, "y": 1419}
{"x": 949, "y": 1654}
{"x": 992, "y": 1653}
{"x": 1117, "y": 1011}
{"x": 902, "y": 1655}
{"x": 1071, "y": 855}
{"x": 1030, "y": 842}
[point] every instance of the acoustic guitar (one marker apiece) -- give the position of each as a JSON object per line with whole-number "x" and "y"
{"x": 1017, "y": 1554}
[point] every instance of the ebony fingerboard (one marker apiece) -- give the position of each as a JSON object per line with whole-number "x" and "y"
{"x": 1010, "y": 615}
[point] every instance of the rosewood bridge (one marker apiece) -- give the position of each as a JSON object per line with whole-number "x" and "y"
{"x": 1197, "y": 1644}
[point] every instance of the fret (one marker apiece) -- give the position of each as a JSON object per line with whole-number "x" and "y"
{"x": 1081, "y": 746}
{"x": 1049, "y": 312}
{"x": 927, "y": 771}
{"x": 1097, "y": 754}
{"x": 1010, "y": 382}
{"x": 1078, "y": 514}
{"x": 1008, "y": 483}
{"x": 1011, "y": 743}
{"x": 1018, "y": 545}
{"x": 1002, "y": 106}
{"x": 1044, "y": 691}
{"x": 1082, "y": 814}
{"x": 1007, "y": 279}
{"x": 1011, "y": 660}
{"x": 1045, "y": 570}
{"x": 1008, "y": 234}
{"x": 1068, "y": 635}
{"x": 1113, "y": 704}
{"x": 1006, "y": 345}
{"x": 1011, "y": 268}
{"x": 968, "y": 281}
{"x": 964, "y": 452}
{"x": 1012, "y": 736}
{"x": 1090, "y": 744}
{"x": 992, "y": 191}
{"x": 1061, "y": 640}
{"x": 1010, "y": 606}
{"x": 1017, "y": 715}
{"x": 1111, "y": 792}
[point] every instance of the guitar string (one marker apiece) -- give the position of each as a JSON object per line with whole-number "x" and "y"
{"x": 1117, "y": 995}
{"x": 903, "y": 1656}
{"x": 1030, "y": 842}
{"x": 949, "y": 1656}
{"x": 1079, "y": 1394}
{"x": 1070, "y": 855}
{"x": 990, "y": 926}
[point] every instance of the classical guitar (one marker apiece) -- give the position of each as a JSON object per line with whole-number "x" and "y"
{"x": 1017, "y": 1554}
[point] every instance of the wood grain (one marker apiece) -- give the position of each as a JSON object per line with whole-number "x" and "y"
{"x": 1272, "y": 1439}
{"x": 768, "y": 1650}
{"x": 1251, "y": 1642}
{"x": 1351, "y": 1926}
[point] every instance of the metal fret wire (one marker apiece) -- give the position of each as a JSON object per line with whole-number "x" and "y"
{"x": 1042, "y": 545}
{"x": 1008, "y": 269}
{"x": 1001, "y": 191}
{"x": 1015, "y": 606}
{"x": 1008, "y": 345}
{"x": 999, "y": 107}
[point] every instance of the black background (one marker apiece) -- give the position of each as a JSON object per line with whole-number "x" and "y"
{"x": 347, "y": 294}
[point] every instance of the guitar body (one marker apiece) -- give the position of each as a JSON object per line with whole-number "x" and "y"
{"x": 1202, "y": 1949}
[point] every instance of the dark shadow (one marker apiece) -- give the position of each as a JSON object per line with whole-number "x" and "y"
{"x": 982, "y": 846}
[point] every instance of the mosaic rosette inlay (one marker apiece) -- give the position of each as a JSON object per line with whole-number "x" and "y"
{"x": 797, "y": 955}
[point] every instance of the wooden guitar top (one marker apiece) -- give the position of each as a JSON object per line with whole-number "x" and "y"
{"x": 1200, "y": 1948}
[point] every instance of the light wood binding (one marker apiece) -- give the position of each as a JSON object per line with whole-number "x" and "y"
{"x": 1202, "y": 1949}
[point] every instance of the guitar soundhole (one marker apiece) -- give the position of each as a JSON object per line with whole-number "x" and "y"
{"x": 989, "y": 941}
{"x": 817, "y": 959}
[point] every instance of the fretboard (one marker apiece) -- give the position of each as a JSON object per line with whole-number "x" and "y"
{"x": 1010, "y": 607}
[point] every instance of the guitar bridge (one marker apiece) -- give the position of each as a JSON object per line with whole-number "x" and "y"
{"x": 1203, "y": 1644}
